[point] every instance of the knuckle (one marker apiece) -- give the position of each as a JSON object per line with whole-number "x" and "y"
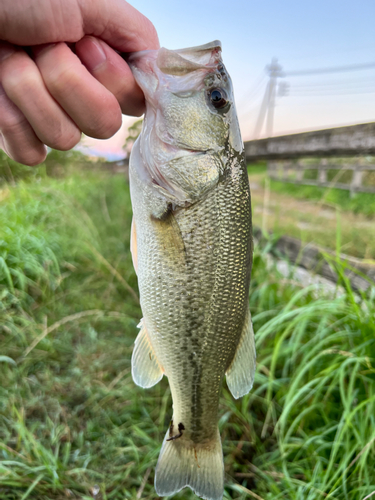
{"x": 12, "y": 124}
{"x": 60, "y": 80}
{"x": 19, "y": 82}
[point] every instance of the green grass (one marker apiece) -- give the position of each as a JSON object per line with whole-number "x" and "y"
{"x": 71, "y": 419}
{"x": 359, "y": 203}
{"x": 310, "y": 214}
{"x": 257, "y": 168}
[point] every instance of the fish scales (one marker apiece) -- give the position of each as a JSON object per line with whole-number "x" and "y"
{"x": 193, "y": 247}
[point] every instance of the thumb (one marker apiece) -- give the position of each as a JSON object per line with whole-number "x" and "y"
{"x": 119, "y": 24}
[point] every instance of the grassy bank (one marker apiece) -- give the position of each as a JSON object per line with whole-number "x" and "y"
{"x": 326, "y": 217}
{"x": 359, "y": 203}
{"x": 74, "y": 425}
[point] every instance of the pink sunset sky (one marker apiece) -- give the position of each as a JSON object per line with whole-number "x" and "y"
{"x": 110, "y": 148}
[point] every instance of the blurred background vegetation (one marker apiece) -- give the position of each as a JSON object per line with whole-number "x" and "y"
{"x": 73, "y": 425}
{"x": 314, "y": 214}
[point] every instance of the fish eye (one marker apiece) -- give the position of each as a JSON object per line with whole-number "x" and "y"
{"x": 218, "y": 98}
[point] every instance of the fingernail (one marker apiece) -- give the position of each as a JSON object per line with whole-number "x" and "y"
{"x": 6, "y": 50}
{"x": 94, "y": 55}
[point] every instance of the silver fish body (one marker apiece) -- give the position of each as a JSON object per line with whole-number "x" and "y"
{"x": 192, "y": 249}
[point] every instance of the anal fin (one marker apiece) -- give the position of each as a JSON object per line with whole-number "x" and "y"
{"x": 146, "y": 369}
{"x": 240, "y": 374}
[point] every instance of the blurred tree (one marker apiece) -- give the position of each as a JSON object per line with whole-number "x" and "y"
{"x": 55, "y": 165}
{"x": 57, "y": 162}
{"x": 11, "y": 171}
{"x": 133, "y": 132}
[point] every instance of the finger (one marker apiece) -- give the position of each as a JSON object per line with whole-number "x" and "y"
{"x": 110, "y": 69}
{"x": 24, "y": 86}
{"x": 17, "y": 138}
{"x": 91, "y": 106}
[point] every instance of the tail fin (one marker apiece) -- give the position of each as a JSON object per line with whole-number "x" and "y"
{"x": 182, "y": 463}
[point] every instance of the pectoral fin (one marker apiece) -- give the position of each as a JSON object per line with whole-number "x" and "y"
{"x": 240, "y": 374}
{"x": 146, "y": 369}
{"x": 171, "y": 244}
{"x": 133, "y": 246}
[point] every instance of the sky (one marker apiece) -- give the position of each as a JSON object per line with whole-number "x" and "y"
{"x": 301, "y": 34}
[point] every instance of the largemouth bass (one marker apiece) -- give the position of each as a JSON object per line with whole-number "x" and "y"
{"x": 192, "y": 250}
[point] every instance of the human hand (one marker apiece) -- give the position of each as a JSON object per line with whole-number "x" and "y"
{"x": 49, "y": 93}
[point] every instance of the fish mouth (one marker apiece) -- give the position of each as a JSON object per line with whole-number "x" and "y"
{"x": 196, "y": 151}
{"x": 189, "y": 153}
{"x": 181, "y": 150}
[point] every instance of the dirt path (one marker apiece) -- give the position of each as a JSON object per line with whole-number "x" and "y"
{"x": 311, "y": 221}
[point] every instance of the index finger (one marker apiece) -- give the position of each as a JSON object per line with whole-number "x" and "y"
{"x": 119, "y": 24}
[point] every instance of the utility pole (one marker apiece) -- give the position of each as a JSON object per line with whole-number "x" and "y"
{"x": 268, "y": 104}
{"x": 274, "y": 71}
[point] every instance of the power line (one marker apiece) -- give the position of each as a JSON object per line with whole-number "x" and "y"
{"x": 245, "y": 110}
{"x": 335, "y": 83}
{"x": 251, "y": 95}
{"x": 322, "y": 89}
{"x": 337, "y": 69}
{"x": 311, "y": 94}
{"x": 365, "y": 86}
{"x": 254, "y": 89}
{"x": 330, "y": 53}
